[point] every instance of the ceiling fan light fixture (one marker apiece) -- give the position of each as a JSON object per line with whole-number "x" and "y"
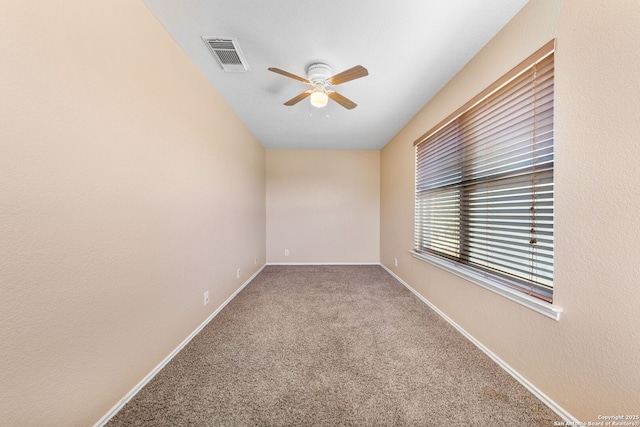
{"x": 319, "y": 98}
{"x": 319, "y": 78}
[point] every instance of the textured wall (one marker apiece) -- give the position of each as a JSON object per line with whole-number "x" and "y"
{"x": 588, "y": 361}
{"x": 127, "y": 189}
{"x": 323, "y": 206}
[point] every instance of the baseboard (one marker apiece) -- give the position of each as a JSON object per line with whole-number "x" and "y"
{"x": 323, "y": 263}
{"x": 118, "y": 406}
{"x": 559, "y": 410}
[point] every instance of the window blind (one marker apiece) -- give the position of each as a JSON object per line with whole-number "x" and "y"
{"x": 484, "y": 181}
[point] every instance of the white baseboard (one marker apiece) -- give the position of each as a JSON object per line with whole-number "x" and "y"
{"x": 559, "y": 410}
{"x": 323, "y": 263}
{"x": 118, "y": 406}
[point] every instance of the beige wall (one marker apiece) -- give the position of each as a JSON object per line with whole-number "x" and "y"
{"x": 588, "y": 362}
{"x": 127, "y": 189}
{"x": 323, "y": 206}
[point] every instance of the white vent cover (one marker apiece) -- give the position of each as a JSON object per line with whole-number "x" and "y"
{"x": 227, "y": 51}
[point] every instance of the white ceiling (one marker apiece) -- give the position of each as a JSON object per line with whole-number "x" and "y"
{"x": 410, "y": 47}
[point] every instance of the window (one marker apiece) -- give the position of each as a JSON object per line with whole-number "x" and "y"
{"x": 484, "y": 182}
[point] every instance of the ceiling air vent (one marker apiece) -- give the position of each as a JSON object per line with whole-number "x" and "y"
{"x": 227, "y": 52}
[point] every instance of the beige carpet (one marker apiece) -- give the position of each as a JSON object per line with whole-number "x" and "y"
{"x": 331, "y": 346}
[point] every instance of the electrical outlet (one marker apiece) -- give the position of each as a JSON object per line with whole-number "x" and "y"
{"x": 395, "y": 261}
{"x": 255, "y": 260}
{"x": 206, "y": 297}
{"x": 237, "y": 273}
{"x": 286, "y": 252}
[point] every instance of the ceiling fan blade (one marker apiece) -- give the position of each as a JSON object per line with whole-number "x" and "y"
{"x": 296, "y": 99}
{"x": 345, "y": 102}
{"x": 288, "y": 74}
{"x": 348, "y": 75}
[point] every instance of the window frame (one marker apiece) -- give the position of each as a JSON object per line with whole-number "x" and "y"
{"x": 495, "y": 281}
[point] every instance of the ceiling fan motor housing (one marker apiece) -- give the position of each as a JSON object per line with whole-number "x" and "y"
{"x": 318, "y": 72}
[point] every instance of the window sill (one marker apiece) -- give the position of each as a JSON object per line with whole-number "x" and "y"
{"x": 535, "y": 304}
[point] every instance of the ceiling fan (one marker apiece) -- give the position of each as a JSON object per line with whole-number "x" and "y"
{"x": 320, "y": 79}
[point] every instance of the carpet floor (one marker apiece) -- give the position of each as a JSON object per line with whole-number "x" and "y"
{"x": 331, "y": 346}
